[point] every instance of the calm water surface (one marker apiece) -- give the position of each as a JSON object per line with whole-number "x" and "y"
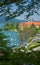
{"x": 13, "y": 38}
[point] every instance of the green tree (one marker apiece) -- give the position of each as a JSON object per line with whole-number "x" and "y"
{"x": 5, "y": 51}
{"x": 8, "y": 57}
{"x": 17, "y": 26}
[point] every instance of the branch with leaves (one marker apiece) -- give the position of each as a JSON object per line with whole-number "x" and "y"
{"x": 28, "y": 6}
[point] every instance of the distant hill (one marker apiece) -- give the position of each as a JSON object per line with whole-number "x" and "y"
{"x": 11, "y": 20}
{"x": 16, "y": 20}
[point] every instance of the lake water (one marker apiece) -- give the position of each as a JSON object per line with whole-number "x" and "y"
{"x": 1, "y": 25}
{"x": 13, "y": 38}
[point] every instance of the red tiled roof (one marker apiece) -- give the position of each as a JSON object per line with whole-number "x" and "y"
{"x": 30, "y": 23}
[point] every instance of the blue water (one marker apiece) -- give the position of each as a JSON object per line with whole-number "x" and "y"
{"x": 1, "y": 25}
{"x": 13, "y": 38}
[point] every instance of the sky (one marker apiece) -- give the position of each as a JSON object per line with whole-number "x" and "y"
{"x": 35, "y": 17}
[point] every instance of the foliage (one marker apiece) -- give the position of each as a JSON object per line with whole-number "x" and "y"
{"x": 34, "y": 31}
{"x": 16, "y": 57}
{"x": 28, "y": 33}
{"x": 31, "y": 7}
{"x": 21, "y": 58}
{"x": 33, "y": 45}
{"x": 11, "y": 26}
{"x": 5, "y": 51}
